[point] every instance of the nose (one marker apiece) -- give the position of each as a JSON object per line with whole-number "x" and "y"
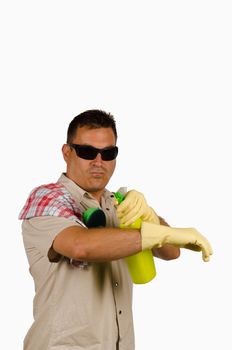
{"x": 98, "y": 159}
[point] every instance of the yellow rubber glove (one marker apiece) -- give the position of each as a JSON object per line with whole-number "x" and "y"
{"x": 155, "y": 236}
{"x": 133, "y": 207}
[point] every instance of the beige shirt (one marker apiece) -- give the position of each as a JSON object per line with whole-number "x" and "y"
{"x": 77, "y": 308}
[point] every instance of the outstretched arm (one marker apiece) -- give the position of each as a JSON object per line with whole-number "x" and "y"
{"x": 97, "y": 244}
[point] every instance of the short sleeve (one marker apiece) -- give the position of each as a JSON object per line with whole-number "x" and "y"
{"x": 40, "y": 232}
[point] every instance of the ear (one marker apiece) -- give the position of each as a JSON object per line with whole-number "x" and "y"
{"x": 66, "y": 150}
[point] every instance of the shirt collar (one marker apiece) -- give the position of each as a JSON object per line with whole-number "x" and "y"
{"x": 77, "y": 192}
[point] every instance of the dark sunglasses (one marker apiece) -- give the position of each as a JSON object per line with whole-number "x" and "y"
{"x": 90, "y": 153}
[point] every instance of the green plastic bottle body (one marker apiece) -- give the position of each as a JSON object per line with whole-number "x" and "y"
{"x": 141, "y": 265}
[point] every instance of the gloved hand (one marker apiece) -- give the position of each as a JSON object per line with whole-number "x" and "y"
{"x": 155, "y": 236}
{"x": 134, "y": 206}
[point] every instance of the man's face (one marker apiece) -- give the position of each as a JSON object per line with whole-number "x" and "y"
{"x": 91, "y": 175}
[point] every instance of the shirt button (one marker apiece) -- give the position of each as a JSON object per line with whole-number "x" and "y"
{"x": 116, "y": 284}
{"x": 120, "y": 311}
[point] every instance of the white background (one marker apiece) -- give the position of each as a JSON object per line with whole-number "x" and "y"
{"x": 163, "y": 69}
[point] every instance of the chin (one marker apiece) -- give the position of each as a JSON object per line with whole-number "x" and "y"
{"x": 96, "y": 187}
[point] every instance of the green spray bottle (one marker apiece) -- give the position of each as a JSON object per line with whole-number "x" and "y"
{"x": 141, "y": 265}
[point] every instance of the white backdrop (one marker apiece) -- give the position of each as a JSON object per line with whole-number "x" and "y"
{"x": 163, "y": 68}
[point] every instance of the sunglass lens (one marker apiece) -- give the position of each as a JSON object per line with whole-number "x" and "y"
{"x": 87, "y": 152}
{"x": 109, "y": 154}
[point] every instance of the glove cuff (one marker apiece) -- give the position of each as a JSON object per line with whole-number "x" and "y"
{"x": 152, "y": 235}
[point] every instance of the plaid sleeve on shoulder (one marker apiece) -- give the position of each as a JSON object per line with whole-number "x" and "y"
{"x": 51, "y": 200}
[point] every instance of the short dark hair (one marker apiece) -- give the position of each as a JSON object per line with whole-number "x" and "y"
{"x": 93, "y": 119}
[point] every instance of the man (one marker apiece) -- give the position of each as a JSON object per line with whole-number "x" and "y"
{"x": 83, "y": 289}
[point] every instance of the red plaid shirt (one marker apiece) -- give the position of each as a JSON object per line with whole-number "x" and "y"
{"x": 50, "y": 200}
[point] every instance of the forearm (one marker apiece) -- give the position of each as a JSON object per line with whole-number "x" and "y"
{"x": 97, "y": 244}
{"x": 167, "y": 252}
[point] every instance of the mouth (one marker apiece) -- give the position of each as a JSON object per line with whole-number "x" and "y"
{"x": 97, "y": 173}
